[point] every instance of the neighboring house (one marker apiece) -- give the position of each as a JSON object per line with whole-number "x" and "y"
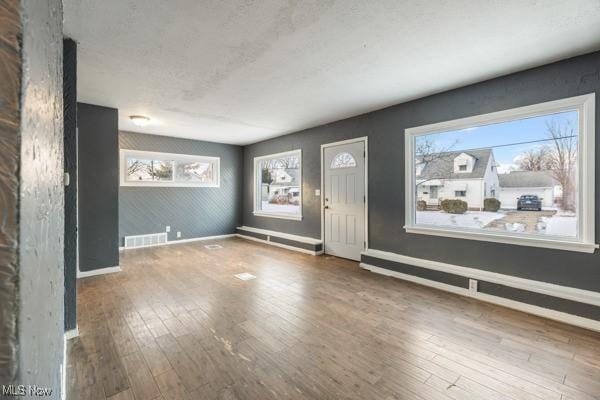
{"x": 285, "y": 183}
{"x": 466, "y": 175}
{"x": 287, "y": 176}
{"x": 517, "y": 183}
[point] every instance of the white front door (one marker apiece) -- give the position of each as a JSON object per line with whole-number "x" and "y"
{"x": 344, "y": 199}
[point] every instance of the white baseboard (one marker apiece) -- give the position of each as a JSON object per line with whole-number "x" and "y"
{"x": 63, "y": 371}
{"x": 284, "y": 246}
{"x": 515, "y": 305}
{"x": 73, "y": 333}
{"x": 100, "y": 271}
{"x": 549, "y": 289}
{"x": 179, "y": 241}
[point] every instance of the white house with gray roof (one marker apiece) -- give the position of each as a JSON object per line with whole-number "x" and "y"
{"x": 470, "y": 176}
{"x": 518, "y": 183}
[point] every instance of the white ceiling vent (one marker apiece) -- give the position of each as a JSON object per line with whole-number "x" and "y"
{"x": 245, "y": 276}
{"x": 152, "y": 239}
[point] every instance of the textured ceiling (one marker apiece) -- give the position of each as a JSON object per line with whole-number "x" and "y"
{"x": 243, "y": 71}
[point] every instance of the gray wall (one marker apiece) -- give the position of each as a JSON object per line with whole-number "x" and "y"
{"x": 34, "y": 170}
{"x": 195, "y": 212}
{"x": 385, "y": 129}
{"x": 70, "y": 151}
{"x": 98, "y": 186}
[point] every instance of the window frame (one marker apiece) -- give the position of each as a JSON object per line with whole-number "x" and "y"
{"x": 176, "y": 158}
{"x": 585, "y": 241}
{"x": 256, "y": 171}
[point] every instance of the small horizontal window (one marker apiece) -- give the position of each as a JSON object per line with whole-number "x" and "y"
{"x": 145, "y": 168}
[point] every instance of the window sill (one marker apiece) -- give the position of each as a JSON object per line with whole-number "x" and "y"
{"x": 279, "y": 216}
{"x": 169, "y": 184}
{"x": 520, "y": 240}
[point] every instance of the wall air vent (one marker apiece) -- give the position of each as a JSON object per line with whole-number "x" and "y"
{"x": 152, "y": 239}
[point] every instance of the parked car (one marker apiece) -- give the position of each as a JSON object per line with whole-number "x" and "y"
{"x": 529, "y": 202}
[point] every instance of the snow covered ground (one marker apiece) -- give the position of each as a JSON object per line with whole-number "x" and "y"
{"x": 470, "y": 219}
{"x": 561, "y": 225}
{"x": 516, "y": 221}
{"x": 280, "y": 208}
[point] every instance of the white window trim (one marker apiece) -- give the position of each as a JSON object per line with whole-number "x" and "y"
{"x": 585, "y": 242}
{"x": 123, "y": 153}
{"x": 261, "y": 213}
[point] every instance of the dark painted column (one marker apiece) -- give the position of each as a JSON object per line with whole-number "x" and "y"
{"x": 70, "y": 143}
{"x": 98, "y": 187}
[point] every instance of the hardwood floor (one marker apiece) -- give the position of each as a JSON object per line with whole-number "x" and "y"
{"x": 177, "y": 324}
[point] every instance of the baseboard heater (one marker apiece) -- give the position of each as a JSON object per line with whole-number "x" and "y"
{"x": 287, "y": 241}
{"x": 565, "y": 304}
{"x": 151, "y": 239}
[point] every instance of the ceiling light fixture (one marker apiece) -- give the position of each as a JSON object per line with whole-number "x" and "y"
{"x": 139, "y": 120}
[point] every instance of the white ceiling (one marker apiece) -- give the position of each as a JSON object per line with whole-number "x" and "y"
{"x": 243, "y": 71}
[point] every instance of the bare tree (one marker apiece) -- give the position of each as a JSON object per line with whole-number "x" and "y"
{"x": 138, "y": 166}
{"x": 290, "y": 162}
{"x": 536, "y": 159}
{"x": 428, "y": 155}
{"x": 563, "y": 159}
{"x": 162, "y": 170}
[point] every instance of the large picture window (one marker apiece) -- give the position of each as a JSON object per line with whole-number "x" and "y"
{"x": 522, "y": 176}
{"x": 278, "y": 185}
{"x": 145, "y": 168}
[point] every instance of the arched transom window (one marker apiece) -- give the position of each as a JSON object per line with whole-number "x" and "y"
{"x": 343, "y": 160}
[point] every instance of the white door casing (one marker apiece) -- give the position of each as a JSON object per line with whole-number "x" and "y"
{"x": 344, "y": 199}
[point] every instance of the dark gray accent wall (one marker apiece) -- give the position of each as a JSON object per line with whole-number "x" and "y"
{"x": 193, "y": 211}
{"x": 385, "y": 129}
{"x": 98, "y": 186}
{"x": 309, "y": 141}
{"x": 70, "y": 151}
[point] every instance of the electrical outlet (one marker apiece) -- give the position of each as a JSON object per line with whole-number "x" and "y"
{"x": 473, "y": 285}
{"x": 178, "y": 234}
{"x": 168, "y": 228}
{"x": 317, "y": 192}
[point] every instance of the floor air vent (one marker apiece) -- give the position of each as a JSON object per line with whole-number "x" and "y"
{"x": 213, "y": 246}
{"x": 245, "y": 276}
{"x": 152, "y": 239}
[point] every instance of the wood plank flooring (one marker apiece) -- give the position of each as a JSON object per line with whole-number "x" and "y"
{"x": 177, "y": 324}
